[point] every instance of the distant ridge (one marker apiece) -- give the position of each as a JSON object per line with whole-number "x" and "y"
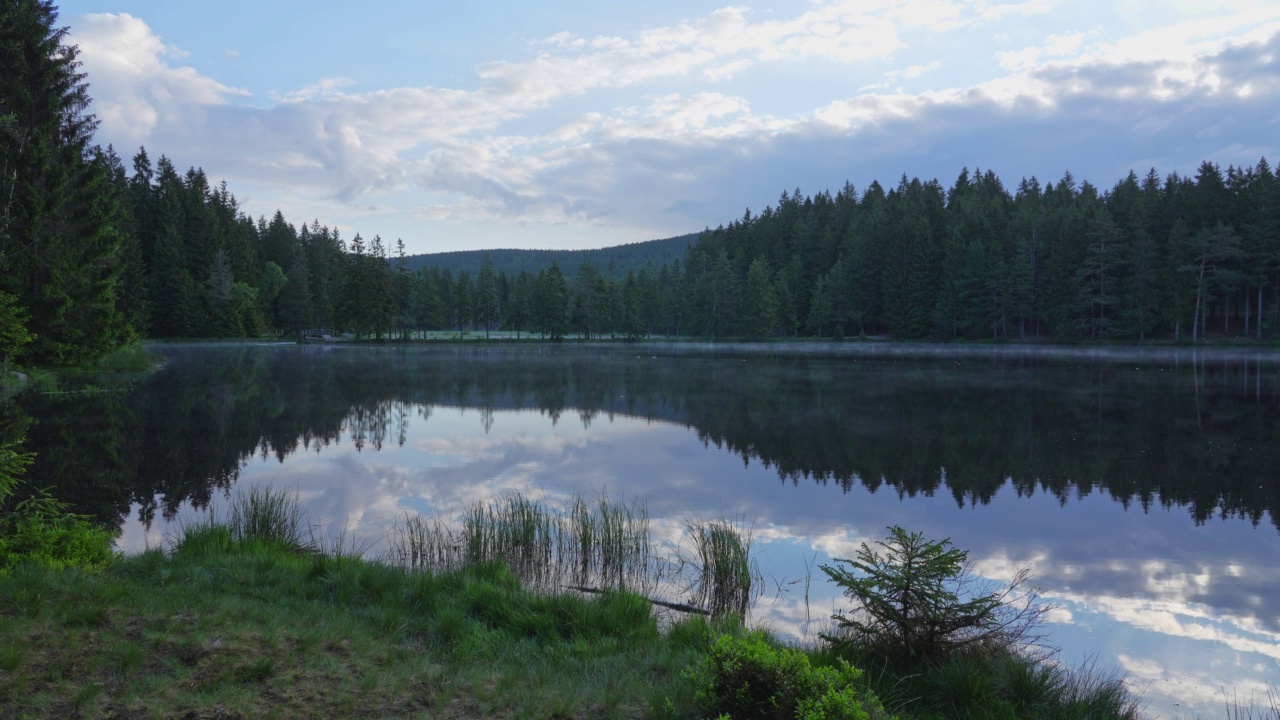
{"x": 632, "y": 256}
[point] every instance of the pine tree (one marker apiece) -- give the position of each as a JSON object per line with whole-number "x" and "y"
{"x": 132, "y": 295}
{"x": 551, "y": 306}
{"x": 486, "y": 305}
{"x": 632, "y": 308}
{"x": 759, "y": 301}
{"x": 295, "y": 297}
{"x": 59, "y": 214}
{"x": 381, "y": 307}
{"x": 402, "y": 293}
{"x": 1140, "y": 298}
{"x": 428, "y": 312}
{"x": 519, "y": 308}
{"x": 353, "y": 302}
{"x": 1096, "y": 276}
{"x": 1214, "y": 252}
{"x": 462, "y": 308}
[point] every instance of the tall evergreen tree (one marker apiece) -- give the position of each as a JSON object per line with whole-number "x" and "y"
{"x": 463, "y": 297}
{"x": 486, "y": 304}
{"x": 519, "y": 309}
{"x": 428, "y": 312}
{"x": 59, "y": 214}
{"x": 1096, "y": 277}
{"x": 552, "y": 302}
{"x": 1213, "y": 252}
{"x": 353, "y": 300}
{"x": 402, "y": 293}
{"x": 295, "y": 297}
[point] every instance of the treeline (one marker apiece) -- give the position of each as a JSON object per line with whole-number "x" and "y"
{"x": 1178, "y": 257}
{"x": 1149, "y": 257}
{"x": 205, "y": 269}
{"x": 208, "y": 270}
{"x": 92, "y": 256}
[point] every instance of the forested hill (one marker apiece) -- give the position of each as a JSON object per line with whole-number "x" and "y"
{"x": 614, "y": 262}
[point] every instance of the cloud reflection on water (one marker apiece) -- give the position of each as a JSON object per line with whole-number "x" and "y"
{"x": 1185, "y": 608}
{"x": 1138, "y": 494}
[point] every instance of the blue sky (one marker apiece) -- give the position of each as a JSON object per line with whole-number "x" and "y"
{"x": 567, "y": 125}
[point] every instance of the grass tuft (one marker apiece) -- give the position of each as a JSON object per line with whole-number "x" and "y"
{"x": 269, "y": 516}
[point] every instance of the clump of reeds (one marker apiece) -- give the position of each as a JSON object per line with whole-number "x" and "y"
{"x": 260, "y": 515}
{"x": 607, "y": 543}
{"x": 424, "y": 544}
{"x": 514, "y": 530}
{"x": 593, "y": 545}
{"x": 724, "y": 577}
{"x": 600, "y": 544}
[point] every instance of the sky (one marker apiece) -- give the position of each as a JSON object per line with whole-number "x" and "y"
{"x": 461, "y": 126}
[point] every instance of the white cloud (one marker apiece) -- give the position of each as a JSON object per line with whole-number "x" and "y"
{"x": 135, "y": 89}
{"x": 510, "y": 148}
{"x": 1053, "y": 47}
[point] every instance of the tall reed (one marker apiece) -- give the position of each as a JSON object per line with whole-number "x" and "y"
{"x": 424, "y": 544}
{"x": 1254, "y": 709}
{"x": 725, "y": 578}
{"x": 602, "y": 543}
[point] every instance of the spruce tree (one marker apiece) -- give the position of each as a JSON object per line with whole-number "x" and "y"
{"x": 486, "y": 305}
{"x": 59, "y": 240}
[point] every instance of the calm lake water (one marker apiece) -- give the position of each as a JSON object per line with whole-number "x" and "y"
{"x": 1141, "y": 487}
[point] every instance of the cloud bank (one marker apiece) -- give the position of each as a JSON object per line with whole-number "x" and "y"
{"x": 664, "y": 130}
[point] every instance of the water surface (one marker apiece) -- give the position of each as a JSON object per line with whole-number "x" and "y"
{"x": 1140, "y": 487}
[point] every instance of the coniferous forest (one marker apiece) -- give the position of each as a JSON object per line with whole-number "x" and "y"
{"x": 94, "y": 254}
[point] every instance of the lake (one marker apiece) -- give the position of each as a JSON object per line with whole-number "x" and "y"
{"x": 1140, "y": 486}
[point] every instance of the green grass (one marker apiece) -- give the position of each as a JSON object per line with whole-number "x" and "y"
{"x": 255, "y": 630}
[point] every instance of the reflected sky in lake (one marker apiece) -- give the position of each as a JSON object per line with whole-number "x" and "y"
{"x": 1139, "y": 493}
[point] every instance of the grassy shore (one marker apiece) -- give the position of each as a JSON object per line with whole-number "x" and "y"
{"x": 246, "y": 619}
{"x": 254, "y": 630}
{"x": 227, "y": 629}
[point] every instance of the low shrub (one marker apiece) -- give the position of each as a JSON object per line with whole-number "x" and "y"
{"x": 128, "y": 359}
{"x": 40, "y": 530}
{"x": 747, "y": 678}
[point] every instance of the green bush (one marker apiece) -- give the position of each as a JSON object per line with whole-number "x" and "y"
{"x": 747, "y": 678}
{"x": 13, "y": 463}
{"x": 40, "y": 530}
{"x": 128, "y": 359}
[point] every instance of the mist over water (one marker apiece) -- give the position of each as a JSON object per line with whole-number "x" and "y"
{"x": 1139, "y": 484}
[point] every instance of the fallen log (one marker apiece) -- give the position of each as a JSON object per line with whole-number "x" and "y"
{"x": 680, "y": 607}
